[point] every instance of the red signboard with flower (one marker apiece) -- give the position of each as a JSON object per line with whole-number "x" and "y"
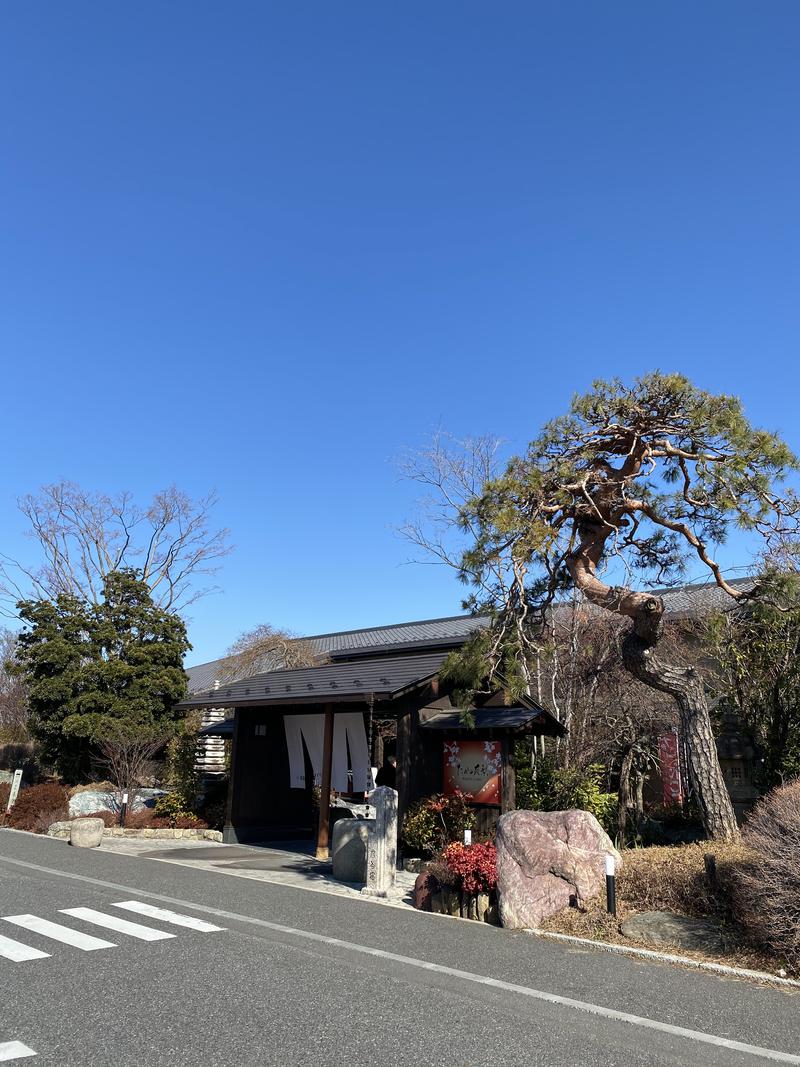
{"x": 473, "y": 768}
{"x": 669, "y": 759}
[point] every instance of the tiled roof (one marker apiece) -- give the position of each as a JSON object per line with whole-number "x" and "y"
{"x": 384, "y": 677}
{"x": 453, "y": 630}
{"x": 430, "y": 633}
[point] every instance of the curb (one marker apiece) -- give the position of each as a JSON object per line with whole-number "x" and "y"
{"x": 665, "y": 957}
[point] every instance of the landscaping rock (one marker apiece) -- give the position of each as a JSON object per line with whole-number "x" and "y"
{"x": 349, "y": 850}
{"x": 482, "y": 904}
{"x": 86, "y": 833}
{"x": 412, "y": 864}
{"x": 547, "y": 860}
{"x": 59, "y": 829}
{"x": 92, "y": 800}
{"x": 666, "y": 928}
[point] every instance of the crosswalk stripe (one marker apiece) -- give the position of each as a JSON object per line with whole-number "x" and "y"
{"x": 14, "y": 1050}
{"x": 58, "y": 933}
{"x": 167, "y": 916}
{"x": 115, "y": 922}
{"x": 16, "y": 951}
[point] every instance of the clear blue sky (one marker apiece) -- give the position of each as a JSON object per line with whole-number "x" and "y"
{"x": 264, "y": 247}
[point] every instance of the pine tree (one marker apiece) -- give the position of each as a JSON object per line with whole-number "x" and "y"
{"x": 111, "y": 670}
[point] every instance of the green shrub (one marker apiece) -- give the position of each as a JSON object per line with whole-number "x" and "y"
{"x": 554, "y": 788}
{"x": 181, "y": 764}
{"x": 172, "y": 806}
{"x": 435, "y": 821}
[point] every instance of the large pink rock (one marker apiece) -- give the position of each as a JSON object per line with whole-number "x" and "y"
{"x": 547, "y": 860}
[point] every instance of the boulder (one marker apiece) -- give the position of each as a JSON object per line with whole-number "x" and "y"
{"x": 666, "y": 928}
{"x": 86, "y": 833}
{"x": 59, "y": 829}
{"x": 547, "y": 860}
{"x": 91, "y": 800}
{"x": 424, "y": 888}
{"x": 349, "y": 850}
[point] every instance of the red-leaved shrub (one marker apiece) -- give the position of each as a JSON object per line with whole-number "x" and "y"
{"x": 475, "y": 866}
{"x": 38, "y": 806}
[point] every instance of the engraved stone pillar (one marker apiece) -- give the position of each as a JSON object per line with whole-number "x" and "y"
{"x": 382, "y": 844}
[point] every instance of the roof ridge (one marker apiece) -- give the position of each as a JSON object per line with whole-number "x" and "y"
{"x": 389, "y": 626}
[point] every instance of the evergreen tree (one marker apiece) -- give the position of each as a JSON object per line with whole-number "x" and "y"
{"x": 101, "y": 671}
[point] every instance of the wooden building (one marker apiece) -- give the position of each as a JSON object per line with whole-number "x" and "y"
{"x": 291, "y": 729}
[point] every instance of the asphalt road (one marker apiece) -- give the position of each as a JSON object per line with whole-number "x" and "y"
{"x": 297, "y": 977}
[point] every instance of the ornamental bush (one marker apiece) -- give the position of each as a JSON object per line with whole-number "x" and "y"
{"x": 555, "y": 788}
{"x": 433, "y": 822}
{"x": 172, "y": 807}
{"x": 766, "y": 891}
{"x": 38, "y": 806}
{"x": 475, "y": 866}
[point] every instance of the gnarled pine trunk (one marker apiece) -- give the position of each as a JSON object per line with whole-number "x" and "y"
{"x": 686, "y": 686}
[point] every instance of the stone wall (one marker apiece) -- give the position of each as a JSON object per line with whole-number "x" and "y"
{"x": 62, "y": 829}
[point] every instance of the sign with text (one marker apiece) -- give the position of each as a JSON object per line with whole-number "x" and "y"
{"x": 474, "y": 768}
{"x": 670, "y": 766}
{"x": 15, "y": 784}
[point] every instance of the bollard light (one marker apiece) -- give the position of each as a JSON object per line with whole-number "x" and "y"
{"x": 123, "y": 810}
{"x": 611, "y": 886}
{"x": 468, "y": 837}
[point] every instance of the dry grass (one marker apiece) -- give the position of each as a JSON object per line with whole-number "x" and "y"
{"x": 673, "y": 879}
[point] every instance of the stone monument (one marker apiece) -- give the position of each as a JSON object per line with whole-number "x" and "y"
{"x": 382, "y": 844}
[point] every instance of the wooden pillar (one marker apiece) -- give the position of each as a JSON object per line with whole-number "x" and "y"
{"x": 232, "y": 799}
{"x": 323, "y": 851}
{"x": 508, "y": 800}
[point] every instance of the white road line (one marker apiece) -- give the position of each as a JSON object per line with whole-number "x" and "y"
{"x": 115, "y": 922}
{"x": 165, "y": 916}
{"x": 58, "y": 933}
{"x": 14, "y": 1050}
{"x": 436, "y": 968}
{"x": 16, "y": 951}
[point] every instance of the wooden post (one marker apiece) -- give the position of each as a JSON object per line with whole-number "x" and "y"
{"x": 232, "y": 799}
{"x": 323, "y": 851}
{"x": 508, "y": 779}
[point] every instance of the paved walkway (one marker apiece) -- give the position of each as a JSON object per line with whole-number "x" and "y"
{"x": 259, "y": 863}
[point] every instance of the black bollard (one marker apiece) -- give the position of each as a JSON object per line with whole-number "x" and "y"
{"x": 611, "y": 887}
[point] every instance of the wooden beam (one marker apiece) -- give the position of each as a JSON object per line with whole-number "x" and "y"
{"x": 508, "y": 777}
{"x": 323, "y": 850}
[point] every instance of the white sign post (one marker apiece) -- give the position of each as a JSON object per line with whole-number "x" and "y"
{"x": 15, "y": 783}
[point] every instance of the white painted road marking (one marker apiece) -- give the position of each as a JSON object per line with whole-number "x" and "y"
{"x": 85, "y": 942}
{"x": 165, "y": 916}
{"x": 436, "y": 968}
{"x": 14, "y": 1050}
{"x": 115, "y": 922}
{"x": 16, "y": 951}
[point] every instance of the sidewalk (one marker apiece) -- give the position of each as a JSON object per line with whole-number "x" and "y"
{"x": 261, "y": 864}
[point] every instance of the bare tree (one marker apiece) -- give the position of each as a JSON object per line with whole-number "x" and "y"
{"x": 14, "y": 708}
{"x": 265, "y": 648}
{"x": 82, "y": 536}
{"x": 126, "y": 754}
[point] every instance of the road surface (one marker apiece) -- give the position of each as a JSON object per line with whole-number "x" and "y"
{"x": 118, "y": 961}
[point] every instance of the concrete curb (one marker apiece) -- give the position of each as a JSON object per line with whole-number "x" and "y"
{"x": 666, "y": 957}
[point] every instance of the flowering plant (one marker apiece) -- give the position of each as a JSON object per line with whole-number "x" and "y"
{"x": 475, "y": 865}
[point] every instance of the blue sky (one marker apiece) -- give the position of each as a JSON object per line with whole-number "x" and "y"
{"x": 266, "y": 247}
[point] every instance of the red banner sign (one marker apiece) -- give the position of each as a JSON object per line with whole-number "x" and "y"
{"x": 670, "y": 763}
{"x": 474, "y": 768}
